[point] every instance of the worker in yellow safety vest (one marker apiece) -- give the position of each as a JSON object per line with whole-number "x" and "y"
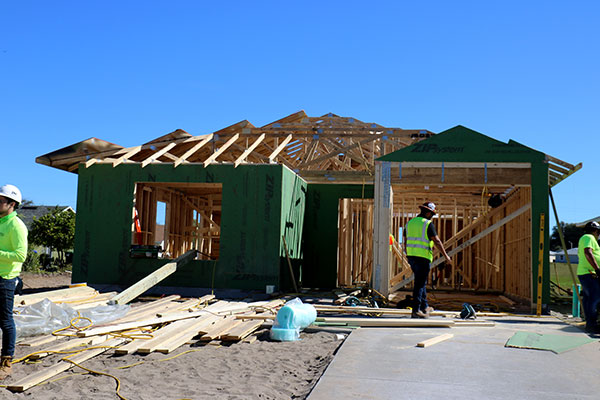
{"x": 420, "y": 237}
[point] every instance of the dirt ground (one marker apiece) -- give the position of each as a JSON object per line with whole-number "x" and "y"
{"x": 40, "y": 282}
{"x": 264, "y": 369}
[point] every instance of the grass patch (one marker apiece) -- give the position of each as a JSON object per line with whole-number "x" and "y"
{"x": 559, "y": 274}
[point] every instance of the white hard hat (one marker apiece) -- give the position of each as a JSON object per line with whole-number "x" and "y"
{"x": 11, "y": 192}
{"x": 429, "y": 206}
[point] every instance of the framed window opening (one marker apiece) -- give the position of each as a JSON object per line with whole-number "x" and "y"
{"x": 178, "y": 217}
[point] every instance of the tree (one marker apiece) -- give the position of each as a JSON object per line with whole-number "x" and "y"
{"x": 26, "y": 202}
{"x": 571, "y": 232}
{"x": 55, "y": 230}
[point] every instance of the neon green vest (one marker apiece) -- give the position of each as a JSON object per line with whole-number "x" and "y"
{"x": 417, "y": 242}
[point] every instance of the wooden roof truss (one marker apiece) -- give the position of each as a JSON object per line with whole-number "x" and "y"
{"x": 323, "y": 148}
{"x": 329, "y": 148}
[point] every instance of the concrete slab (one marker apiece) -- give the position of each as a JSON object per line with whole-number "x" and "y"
{"x": 384, "y": 363}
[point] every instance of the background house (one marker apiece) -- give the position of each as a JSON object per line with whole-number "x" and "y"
{"x": 571, "y": 253}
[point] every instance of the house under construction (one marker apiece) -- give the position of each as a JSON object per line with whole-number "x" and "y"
{"x": 299, "y": 193}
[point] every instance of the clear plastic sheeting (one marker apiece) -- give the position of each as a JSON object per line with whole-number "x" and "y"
{"x": 291, "y": 319}
{"x": 45, "y": 317}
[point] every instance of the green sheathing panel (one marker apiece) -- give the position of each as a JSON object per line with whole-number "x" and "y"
{"x": 540, "y": 204}
{"x": 460, "y": 144}
{"x": 293, "y": 202}
{"x": 250, "y": 225}
{"x": 321, "y": 231}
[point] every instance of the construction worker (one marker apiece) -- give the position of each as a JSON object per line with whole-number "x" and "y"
{"x": 419, "y": 237}
{"x": 13, "y": 251}
{"x": 588, "y": 272}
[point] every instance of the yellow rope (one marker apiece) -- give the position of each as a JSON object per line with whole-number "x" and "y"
{"x": 100, "y": 373}
{"x": 62, "y": 352}
{"x": 72, "y": 325}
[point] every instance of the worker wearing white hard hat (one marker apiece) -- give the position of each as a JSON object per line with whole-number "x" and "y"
{"x": 420, "y": 237}
{"x": 13, "y": 251}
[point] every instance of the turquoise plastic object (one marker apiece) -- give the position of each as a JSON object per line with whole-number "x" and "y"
{"x": 291, "y": 319}
{"x": 576, "y": 309}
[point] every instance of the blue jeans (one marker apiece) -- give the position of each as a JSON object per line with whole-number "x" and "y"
{"x": 590, "y": 286}
{"x": 7, "y": 323}
{"x": 420, "y": 267}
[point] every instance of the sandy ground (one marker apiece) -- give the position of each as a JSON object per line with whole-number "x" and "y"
{"x": 263, "y": 369}
{"x": 39, "y": 282}
{"x": 260, "y": 370}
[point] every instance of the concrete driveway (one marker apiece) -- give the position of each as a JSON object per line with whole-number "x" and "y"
{"x": 384, "y": 363}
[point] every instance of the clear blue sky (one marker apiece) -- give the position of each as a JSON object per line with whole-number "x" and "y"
{"x": 130, "y": 71}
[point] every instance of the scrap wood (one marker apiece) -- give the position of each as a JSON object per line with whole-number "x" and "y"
{"x": 39, "y": 340}
{"x": 507, "y": 300}
{"x": 220, "y": 327}
{"x": 55, "y": 295}
{"x": 187, "y": 334}
{"x": 216, "y": 308}
{"x": 473, "y": 322}
{"x": 435, "y": 340}
{"x": 151, "y": 280}
{"x": 389, "y": 311}
{"x": 47, "y": 373}
{"x": 256, "y": 316}
{"x": 182, "y": 331}
{"x": 242, "y": 330}
{"x": 102, "y": 330}
{"x": 147, "y": 309}
{"x": 179, "y": 306}
{"x": 135, "y": 344}
{"x": 387, "y": 322}
{"x": 66, "y": 345}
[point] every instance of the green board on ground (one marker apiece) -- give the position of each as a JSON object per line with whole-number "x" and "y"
{"x": 554, "y": 343}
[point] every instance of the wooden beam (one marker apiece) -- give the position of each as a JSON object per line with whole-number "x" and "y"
{"x": 435, "y": 340}
{"x": 194, "y": 149}
{"x": 405, "y": 322}
{"x": 140, "y": 287}
{"x": 158, "y": 154}
{"x": 483, "y": 233}
{"x": 338, "y": 150}
{"x": 216, "y": 154}
{"x": 248, "y": 151}
{"x": 63, "y": 365}
{"x": 66, "y": 345}
{"x": 279, "y": 148}
{"x": 131, "y": 151}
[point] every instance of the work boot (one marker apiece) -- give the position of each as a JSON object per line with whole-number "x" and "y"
{"x": 428, "y": 311}
{"x": 5, "y": 367}
{"x": 419, "y": 314}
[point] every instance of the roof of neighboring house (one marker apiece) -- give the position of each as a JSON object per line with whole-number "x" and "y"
{"x": 597, "y": 219}
{"x": 28, "y": 213}
{"x": 571, "y": 252}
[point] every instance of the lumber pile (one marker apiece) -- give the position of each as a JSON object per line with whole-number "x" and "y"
{"x": 160, "y": 326}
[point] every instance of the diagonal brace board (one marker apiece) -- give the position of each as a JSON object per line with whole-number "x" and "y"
{"x": 483, "y": 233}
{"x": 140, "y": 287}
{"x": 472, "y": 240}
